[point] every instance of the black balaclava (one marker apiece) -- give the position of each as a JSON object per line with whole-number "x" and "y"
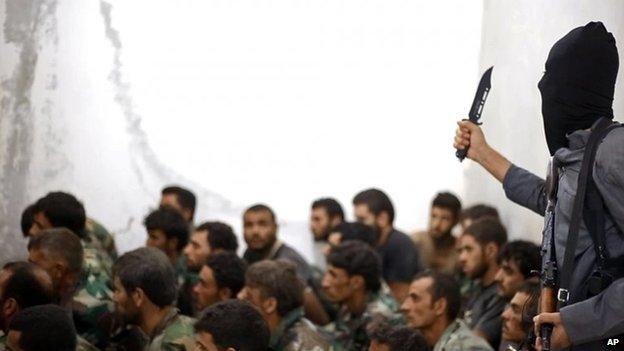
{"x": 578, "y": 84}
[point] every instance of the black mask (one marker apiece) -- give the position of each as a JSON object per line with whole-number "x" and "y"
{"x": 578, "y": 84}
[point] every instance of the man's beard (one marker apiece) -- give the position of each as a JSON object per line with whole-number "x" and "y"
{"x": 480, "y": 270}
{"x": 255, "y": 255}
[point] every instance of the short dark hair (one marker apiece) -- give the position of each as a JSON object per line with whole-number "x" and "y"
{"x": 63, "y": 210}
{"x": 228, "y": 270}
{"x": 443, "y": 286}
{"x": 44, "y": 327}
{"x": 525, "y": 254}
{"x": 277, "y": 279}
{"x": 170, "y": 222}
{"x": 185, "y": 197}
{"x": 220, "y": 236}
{"x": 398, "y": 338}
{"x": 60, "y": 243}
{"x": 402, "y": 338}
{"x": 447, "y": 201}
{"x": 236, "y": 324}
{"x": 487, "y": 230}
{"x": 27, "y": 220}
{"x": 357, "y": 231}
{"x": 377, "y": 202}
{"x": 358, "y": 258}
{"x": 478, "y": 211}
{"x": 331, "y": 206}
{"x": 149, "y": 269}
{"x": 25, "y": 287}
{"x": 261, "y": 208}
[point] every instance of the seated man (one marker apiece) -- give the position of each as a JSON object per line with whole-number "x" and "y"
{"x": 326, "y": 213}
{"x": 260, "y": 231}
{"x": 59, "y": 209}
{"x": 399, "y": 255}
{"x": 43, "y": 327}
{"x": 516, "y": 260}
{"x": 145, "y": 291}
{"x": 353, "y": 280}
{"x": 181, "y": 200}
{"x": 60, "y": 253}
{"x": 479, "y": 247}
{"x": 168, "y": 232}
{"x": 437, "y": 245}
{"x": 398, "y": 338}
{"x": 221, "y": 278}
{"x": 432, "y": 306}
{"x": 232, "y": 325}
{"x": 208, "y": 238}
{"x": 518, "y": 318}
{"x": 22, "y": 285}
{"x": 277, "y": 292}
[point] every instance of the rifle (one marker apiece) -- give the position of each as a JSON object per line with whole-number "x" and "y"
{"x": 548, "y": 293}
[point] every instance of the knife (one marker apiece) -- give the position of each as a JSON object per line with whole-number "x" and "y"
{"x": 477, "y": 105}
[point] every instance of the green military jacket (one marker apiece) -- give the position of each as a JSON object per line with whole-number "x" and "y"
{"x": 101, "y": 238}
{"x": 296, "y": 333}
{"x": 174, "y": 333}
{"x": 349, "y": 331}
{"x": 458, "y": 337}
{"x": 93, "y": 298}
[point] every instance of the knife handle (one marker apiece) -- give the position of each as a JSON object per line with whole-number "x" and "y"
{"x": 461, "y": 154}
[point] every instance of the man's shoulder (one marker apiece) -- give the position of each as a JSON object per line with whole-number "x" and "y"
{"x": 462, "y": 338}
{"x": 307, "y": 337}
{"x": 420, "y": 236}
{"x": 287, "y": 252}
{"x": 177, "y": 335}
{"x": 384, "y": 306}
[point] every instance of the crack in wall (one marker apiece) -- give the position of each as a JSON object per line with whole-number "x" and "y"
{"x": 144, "y": 154}
{"x": 27, "y": 24}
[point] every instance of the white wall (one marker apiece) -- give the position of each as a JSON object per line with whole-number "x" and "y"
{"x": 517, "y": 36}
{"x": 244, "y": 101}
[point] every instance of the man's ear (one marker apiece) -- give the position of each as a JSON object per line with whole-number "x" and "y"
{"x": 439, "y": 306}
{"x": 269, "y": 306}
{"x": 172, "y": 244}
{"x": 357, "y": 282}
{"x": 335, "y": 221}
{"x": 138, "y": 297}
{"x": 383, "y": 219}
{"x": 9, "y": 308}
{"x": 225, "y": 294}
{"x": 491, "y": 251}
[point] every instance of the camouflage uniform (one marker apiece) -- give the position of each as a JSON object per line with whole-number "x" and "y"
{"x": 93, "y": 298}
{"x": 174, "y": 333}
{"x": 349, "y": 332}
{"x": 98, "y": 236}
{"x": 458, "y": 337}
{"x": 295, "y": 333}
{"x": 2, "y": 341}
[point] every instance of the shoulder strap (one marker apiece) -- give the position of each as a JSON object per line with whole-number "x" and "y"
{"x": 598, "y": 132}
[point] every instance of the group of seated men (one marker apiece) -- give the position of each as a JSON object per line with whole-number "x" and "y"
{"x": 370, "y": 287}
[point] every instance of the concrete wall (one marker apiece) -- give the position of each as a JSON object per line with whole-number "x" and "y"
{"x": 516, "y": 38}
